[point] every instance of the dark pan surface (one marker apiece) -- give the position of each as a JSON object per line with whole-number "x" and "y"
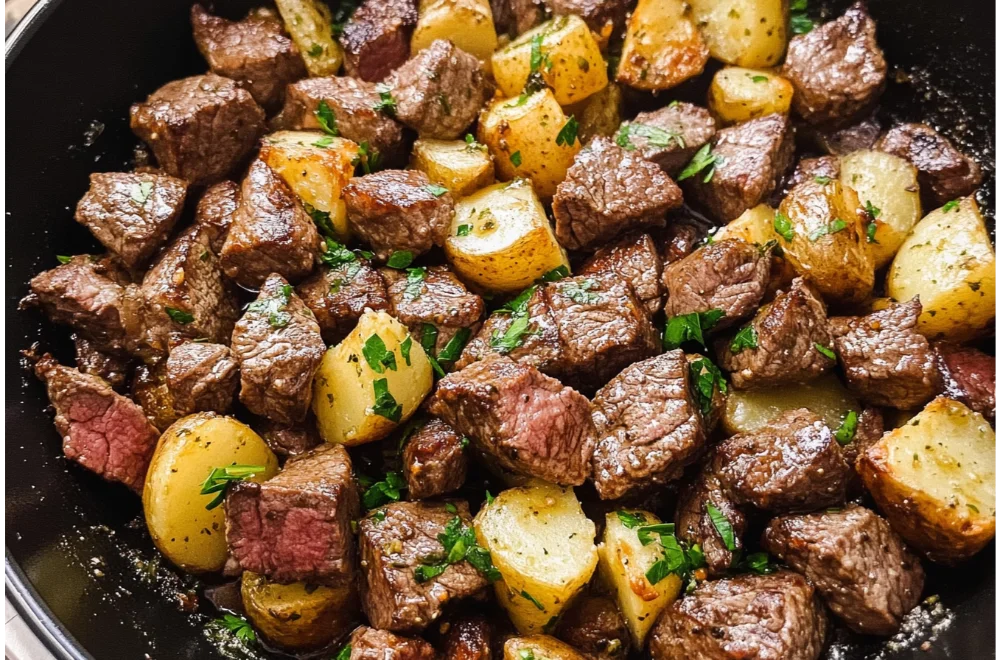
{"x": 78, "y": 560}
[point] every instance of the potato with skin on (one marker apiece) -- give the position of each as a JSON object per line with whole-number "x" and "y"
{"x": 750, "y": 410}
{"x": 948, "y": 260}
{"x": 599, "y": 114}
{"x": 501, "y": 240}
{"x": 359, "y": 398}
{"x": 750, "y": 33}
{"x": 663, "y": 46}
{"x": 308, "y": 23}
{"x": 175, "y": 510}
{"x": 460, "y": 166}
{"x": 466, "y": 23}
{"x": 934, "y": 479}
{"x": 543, "y": 545}
{"x": 737, "y": 94}
{"x": 539, "y": 647}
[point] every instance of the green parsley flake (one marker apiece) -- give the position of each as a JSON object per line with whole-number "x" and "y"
{"x": 534, "y": 601}
{"x": 386, "y": 103}
{"x": 822, "y": 180}
{"x": 783, "y": 226}
{"x": 400, "y": 260}
{"x": 515, "y": 159}
{"x": 722, "y": 526}
{"x": 404, "y": 349}
{"x": 832, "y": 228}
{"x": 706, "y": 378}
{"x": 382, "y": 492}
{"x": 631, "y": 520}
{"x": 825, "y": 351}
{"x": 847, "y": 429}
{"x": 179, "y": 316}
{"x": 689, "y": 327}
{"x": 219, "y": 479}
{"x": 315, "y": 51}
{"x": 326, "y": 119}
{"x": 703, "y": 159}
{"x": 870, "y": 229}
{"x": 759, "y": 79}
{"x": 142, "y": 191}
{"x": 567, "y": 135}
{"x": 385, "y": 404}
{"x": 656, "y": 137}
{"x": 435, "y": 189}
{"x": 239, "y": 626}
{"x": 378, "y": 357}
{"x": 463, "y": 230}
{"x": 63, "y": 259}
{"x": 344, "y": 653}
{"x": 555, "y": 274}
{"x": 950, "y": 206}
{"x": 414, "y": 282}
{"x": 745, "y": 338}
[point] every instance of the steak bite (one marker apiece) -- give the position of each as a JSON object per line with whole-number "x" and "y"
{"x": 670, "y": 136}
{"x": 255, "y": 52}
{"x": 396, "y": 594}
{"x": 270, "y": 232}
{"x": 602, "y": 16}
{"x": 695, "y": 526}
{"x": 607, "y": 192}
{"x": 944, "y": 172}
{"x": 150, "y": 391}
{"x": 373, "y": 644}
{"x": 969, "y": 376}
{"x": 215, "y": 212}
{"x": 633, "y": 259}
{"x": 677, "y": 241}
{"x": 750, "y": 160}
{"x": 202, "y": 377}
{"x": 101, "y": 430}
{"x": 886, "y": 361}
{"x": 440, "y": 91}
{"x": 288, "y": 439}
{"x": 339, "y": 294}
{"x": 851, "y": 138}
{"x": 594, "y": 626}
{"x": 279, "y": 347}
{"x": 514, "y": 17}
{"x": 859, "y": 566}
{"x": 529, "y": 423}
{"x": 469, "y": 637}
{"x": 398, "y": 210}
{"x": 769, "y": 617}
{"x": 838, "y": 70}
{"x": 199, "y": 128}
{"x": 376, "y": 39}
{"x": 90, "y": 359}
{"x": 131, "y": 214}
{"x": 434, "y": 460}
{"x": 791, "y": 343}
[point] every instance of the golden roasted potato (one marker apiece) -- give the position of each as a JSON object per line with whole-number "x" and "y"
{"x": 523, "y": 135}
{"x": 755, "y": 225}
{"x": 948, "y": 261}
{"x": 563, "y": 51}
{"x": 298, "y": 615}
{"x": 316, "y": 167}
{"x": 501, "y": 239}
{"x": 461, "y": 167}
{"x": 934, "y": 479}
{"x": 539, "y": 647}
{"x": 824, "y": 240}
{"x": 623, "y": 563}
{"x": 308, "y": 23}
{"x": 188, "y": 533}
{"x": 371, "y": 382}
{"x": 662, "y": 48}
{"x": 466, "y": 23}
{"x": 751, "y": 33}
{"x": 749, "y": 410}
{"x": 600, "y": 114}
{"x": 543, "y": 546}
{"x": 887, "y": 188}
{"x": 738, "y": 94}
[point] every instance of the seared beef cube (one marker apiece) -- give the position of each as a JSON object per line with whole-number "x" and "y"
{"x": 969, "y": 377}
{"x": 769, "y": 617}
{"x": 603, "y": 16}
{"x": 338, "y": 295}
{"x": 372, "y": 644}
{"x": 694, "y": 525}
{"x": 434, "y": 461}
{"x": 376, "y": 39}
{"x": 398, "y": 210}
{"x": 393, "y": 546}
{"x": 199, "y": 128}
{"x": 202, "y": 377}
{"x": 846, "y": 140}
{"x": 529, "y": 423}
{"x": 688, "y": 128}
{"x": 607, "y": 192}
{"x": 352, "y": 103}
{"x": 151, "y": 392}
{"x": 512, "y": 17}
{"x": 215, "y": 212}
{"x": 838, "y": 70}
{"x": 131, "y": 214}
{"x": 594, "y": 626}
{"x": 440, "y": 91}
{"x": 296, "y": 526}
{"x": 421, "y": 296}
{"x": 944, "y": 172}
{"x": 859, "y": 566}
{"x": 101, "y": 430}
{"x": 751, "y": 158}
{"x": 729, "y": 275}
{"x": 270, "y": 232}
{"x": 886, "y": 361}
{"x": 468, "y": 637}
{"x": 635, "y": 260}
{"x": 279, "y": 347}
{"x": 791, "y": 342}
{"x": 90, "y": 359}
{"x": 648, "y": 425}
{"x": 678, "y": 240}
{"x": 255, "y": 52}
{"x": 288, "y": 439}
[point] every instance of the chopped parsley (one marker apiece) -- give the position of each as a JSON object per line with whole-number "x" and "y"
{"x": 832, "y": 228}
{"x": 326, "y": 119}
{"x": 950, "y": 206}
{"x": 567, "y": 134}
{"x": 454, "y": 347}
{"x": 759, "y": 79}
{"x": 382, "y": 492}
{"x": 378, "y": 357}
{"x": 386, "y": 103}
{"x": 799, "y": 22}
{"x": 323, "y": 142}
{"x": 238, "y": 626}
{"x": 400, "y": 259}
{"x": 63, "y": 259}
{"x": 870, "y": 230}
{"x": 321, "y": 219}
{"x": 274, "y": 307}
{"x": 822, "y": 180}
{"x": 219, "y": 478}
{"x": 435, "y": 189}
{"x": 872, "y": 210}
{"x": 385, "y": 404}
{"x": 706, "y": 377}
{"x": 689, "y": 327}
{"x": 847, "y": 429}
{"x": 678, "y": 559}
{"x": 315, "y": 51}
{"x": 757, "y": 562}
{"x": 142, "y": 191}
{"x": 404, "y": 349}
{"x": 631, "y": 520}
{"x": 414, "y": 282}
{"x": 428, "y": 338}
{"x": 336, "y": 254}
{"x": 745, "y": 338}
{"x": 513, "y": 337}
{"x": 825, "y": 351}
{"x": 704, "y": 158}
{"x": 656, "y": 137}
{"x": 649, "y": 533}
{"x": 179, "y": 315}
{"x": 532, "y": 599}
{"x": 459, "y": 543}
{"x": 580, "y": 292}
{"x": 344, "y": 653}
{"x": 722, "y": 525}
{"x": 463, "y": 230}
{"x": 555, "y": 274}
{"x": 783, "y": 226}
{"x": 515, "y": 159}
{"x": 472, "y": 145}
{"x": 368, "y": 158}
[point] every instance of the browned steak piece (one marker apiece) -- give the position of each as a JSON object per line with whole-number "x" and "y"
{"x": 603, "y": 16}
{"x": 838, "y": 70}
{"x": 677, "y": 241}
{"x": 270, "y": 232}
{"x": 255, "y": 52}
{"x": 671, "y": 135}
{"x": 101, "y": 430}
{"x": 469, "y": 637}
{"x": 851, "y": 138}
{"x": 728, "y": 275}
{"x": 512, "y": 17}
{"x": 969, "y": 377}
{"x": 376, "y": 39}
{"x": 750, "y": 160}
{"x": 695, "y": 526}
{"x": 150, "y": 391}
{"x": 131, "y": 214}
{"x": 339, "y": 294}
{"x": 886, "y": 361}
{"x": 791, "y": 342}
{"x": 215, "y": 211}
{"x": 434, "y": 460}
{"x": 943, "y": 171}
{"x": 279, "y": 347}
{"x": 859, "y": 566}
{"x": 608, "y": 191}
{"x": 371, "y": 644}
{"x": 440, "y": 91}
{"x": 202, "y": 377}
{"x": 288, "y": 439}
{"x": 396, "y": 593}
{"x": 296, "y": 526}
{"x": 199, "y": 128}
{"x": 766, "y": 617}
{"x": 633, "y": 259}
{"x": 90, "y": 359}
{"x": 529, "y": 423}
{"x": 398, "y": 210}
{"x": 594, "y": 626}
{"x": 649, "y": 427}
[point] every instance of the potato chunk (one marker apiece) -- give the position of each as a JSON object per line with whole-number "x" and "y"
{"x": 743, "y": 32}
{"x": 543, "y": 545}
{"x": 466, "y": 23}
{"x": 298, "y": 615}
{"x": 461, "y": 167}
{"x": 749, "y": 410}
{"x": 753, "y": 226}
{"x": 738, "y": 94}
{"x": 948, "y": 260}
{"x": 662, "y": 46}
{"x": 308, "y": 23}
{"x": 539, "y": 647}
{"x": 600, "y": 114}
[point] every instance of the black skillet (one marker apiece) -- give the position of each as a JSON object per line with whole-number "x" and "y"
{"x": 78, "y": 563}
